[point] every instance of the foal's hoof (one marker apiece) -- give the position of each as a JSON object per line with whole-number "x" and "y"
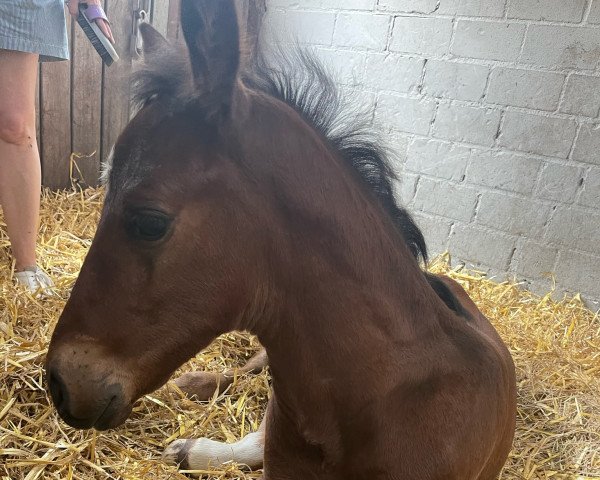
{"x": 201, "y": 385}
{"x": 197, "y": 454}
{"x": 176, "y": 453}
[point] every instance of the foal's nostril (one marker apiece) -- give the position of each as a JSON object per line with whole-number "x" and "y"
{"x": 57, "y": 389}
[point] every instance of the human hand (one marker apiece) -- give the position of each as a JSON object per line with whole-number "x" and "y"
{"x": 102, "y": 24}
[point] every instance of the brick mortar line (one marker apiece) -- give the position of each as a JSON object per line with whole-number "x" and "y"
{"x": 506, "y": 8}
{"x": 547, "y": 224}
{"x": 486, "y": 105}
{"x": 522, "y": 46}
{"x": 335, "y": 25}
{"x": 462, "y": 61}
{"x": 514, "y": 65}
{"x": 512, "y": 256}
{"x": 509, "y": 236}
{"x": 557, "y": 261}
{"x": 487, "y": 189}
{"x": 436, "y": 14}
{"x": 500, "y": 126}
{"x": 519, "y": 245}
{"x": 485, "y": 149}
{"x": 586, "y": 11}
{"x": 415, "y": 188}
{"x": 483, "y": 228}
{"x": 579, "y": 119}
{"x": 421, "y": 84}
{"x": 390, "y": 32}
{"x": 486, "y": 88}
{"x": 361, "y": 11}
{"x": 451, "y": 58}
{"x": 538, "y": 182}
{"x": 476, "y": 208}
{"x": 452, "y": 37}
{"x": 582, "y": 186}
{"x": 563, "y": 92}
{"x": 431, "y": 130}
{"x": 575, "y": 140}
{"x": 449, "y": 16}
{"x": 448, "y": 235}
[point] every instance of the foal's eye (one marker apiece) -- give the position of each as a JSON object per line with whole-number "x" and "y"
{"x": 148, "y": 225}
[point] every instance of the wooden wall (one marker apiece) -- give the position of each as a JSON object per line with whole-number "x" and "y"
{"x": 83, "y": 105}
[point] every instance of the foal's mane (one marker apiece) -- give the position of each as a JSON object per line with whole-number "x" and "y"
{"x": 300, "y": 80}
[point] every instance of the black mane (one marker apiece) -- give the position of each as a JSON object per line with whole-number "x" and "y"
{"x": 301, "y": 81}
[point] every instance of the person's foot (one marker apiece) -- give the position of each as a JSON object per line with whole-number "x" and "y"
{"x": 35, "y": 280}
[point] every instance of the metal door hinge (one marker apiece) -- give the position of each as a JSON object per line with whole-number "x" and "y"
{"x": 142, "y": 11}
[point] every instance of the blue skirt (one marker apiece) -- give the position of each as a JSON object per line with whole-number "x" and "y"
{"x": 35, "y": 26}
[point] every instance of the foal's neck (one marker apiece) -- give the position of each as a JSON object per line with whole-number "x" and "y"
{"x": 331, "y": 327}
{"x": 345, "y": 290}
{"x": 342, "y": 316}
{"x": 337, "y": 346}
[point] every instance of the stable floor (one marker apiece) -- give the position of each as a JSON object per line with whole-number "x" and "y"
{"x": 556, "y": 348}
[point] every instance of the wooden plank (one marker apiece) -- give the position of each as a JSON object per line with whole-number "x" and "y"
{"x": 116, "y": 91}
{"x": 242, "y": 7}
{"x": 86, "y": 108}
{"x": 160, "y": 16}
{"x": 250, "y": 14}
{"x": 254, "y": 21}
{"x": 37, "y": 106}
{"x": 173, "y": 25}
{"x": 55, "y": 123}
{"x": 242, "y": 11}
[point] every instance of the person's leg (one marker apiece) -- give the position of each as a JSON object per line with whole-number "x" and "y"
{"x": 20, "y": 171}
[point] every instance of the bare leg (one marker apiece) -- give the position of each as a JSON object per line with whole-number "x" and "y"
{"x": 202, "y": 453}
{"x": 20, "y": 172}
{"x": 203, "y": 385}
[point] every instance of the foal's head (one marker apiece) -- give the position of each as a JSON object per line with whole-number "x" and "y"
{"x": 219, "y": 196}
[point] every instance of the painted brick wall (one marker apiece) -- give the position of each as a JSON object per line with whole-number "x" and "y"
{"x": 493, "y": 108}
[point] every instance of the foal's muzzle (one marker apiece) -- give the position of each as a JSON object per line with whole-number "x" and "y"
{"x": 85, "y": 392}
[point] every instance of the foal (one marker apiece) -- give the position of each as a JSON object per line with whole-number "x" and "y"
{"x": 236, "y": 203}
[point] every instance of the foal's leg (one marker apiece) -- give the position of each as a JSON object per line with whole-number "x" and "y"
{"x": 203, "y": 453}
{"x": 204, "y": 384}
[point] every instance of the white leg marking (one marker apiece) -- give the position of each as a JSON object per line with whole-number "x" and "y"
{"x": 203, "y": 453}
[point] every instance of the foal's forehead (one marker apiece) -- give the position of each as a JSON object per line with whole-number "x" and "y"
{"x": 156, "y": 137}
{"x": 129, "y": 161}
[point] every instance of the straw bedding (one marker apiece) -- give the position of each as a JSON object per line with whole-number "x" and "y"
{"x": 556, "y": 347}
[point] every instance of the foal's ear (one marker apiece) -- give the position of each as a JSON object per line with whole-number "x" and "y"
{"x": 153, "y": 41}
{"x": 211, "y": 32}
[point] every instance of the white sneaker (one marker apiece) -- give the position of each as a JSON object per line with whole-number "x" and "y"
{"x": 35, "y": 279}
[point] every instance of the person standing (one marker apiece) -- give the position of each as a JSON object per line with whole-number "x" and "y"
{"x": 30, "y": 31}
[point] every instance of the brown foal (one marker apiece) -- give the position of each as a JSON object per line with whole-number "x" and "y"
{"x": 236, "y": 202}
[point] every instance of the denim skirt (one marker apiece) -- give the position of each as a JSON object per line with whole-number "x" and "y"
{"x": 35, "y": 26}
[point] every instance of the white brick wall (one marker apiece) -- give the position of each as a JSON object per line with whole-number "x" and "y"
{"x": 493, "y": 107}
